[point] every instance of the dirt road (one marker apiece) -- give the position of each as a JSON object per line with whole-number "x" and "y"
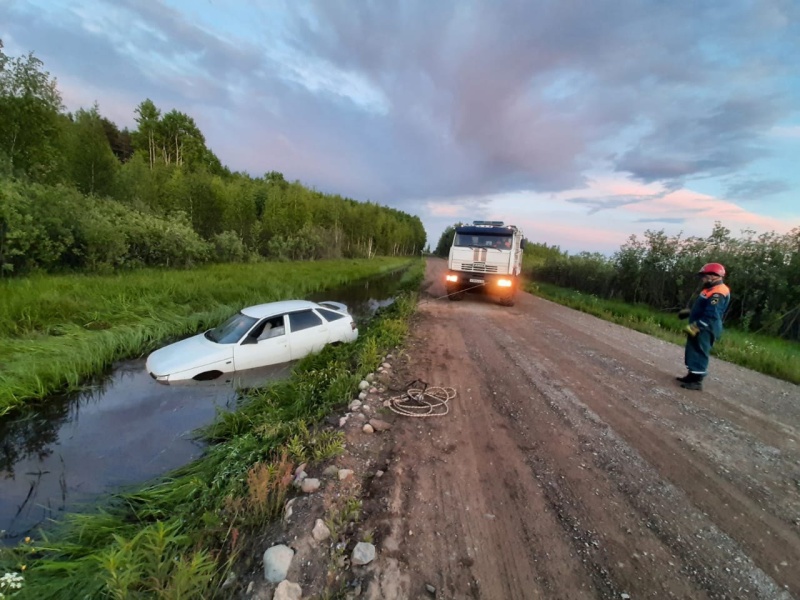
{"x": 572, "y": 465}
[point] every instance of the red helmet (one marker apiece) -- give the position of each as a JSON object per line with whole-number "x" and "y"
{"x": 712, "y": 269}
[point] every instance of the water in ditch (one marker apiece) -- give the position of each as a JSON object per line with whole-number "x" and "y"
{"x": 125, "y": 429}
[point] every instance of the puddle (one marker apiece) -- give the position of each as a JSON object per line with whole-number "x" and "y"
{"x": 126, "y": 429}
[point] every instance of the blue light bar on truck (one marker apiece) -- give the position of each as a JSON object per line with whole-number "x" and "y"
{"x": 490, "y": 223}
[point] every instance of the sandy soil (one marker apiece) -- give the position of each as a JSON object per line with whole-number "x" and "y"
{"x": 572, "y": 465}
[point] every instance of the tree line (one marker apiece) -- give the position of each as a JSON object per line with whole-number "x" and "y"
{"x": 763, "y": 272}
{"x": 79, "y": 193}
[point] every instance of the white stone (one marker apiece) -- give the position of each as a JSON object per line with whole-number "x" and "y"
{"x": 355, "y": 405}
{"x": 373, "y": 390}
{"x": 229, "y": 580}
{"x": 362, "y": 396}
{"x": 276, "y": 562}
{"x": 379, "y": 425}
{"x": 342, "y": 421}
{"x": 386, "y": 365}
{"x": 363, "y": 553}
{"x": 378, "y": 473}
{"x": 287, "y": 590}
{"x": 331, "y": 470}
{"x": 367, "y": 428}
{"x": 309, "y": 485}
{"x": 370, "y": 377}
{"x": 287, "y": 510}
{"x": 320, "y": 531}
{"x": 363, "y": 385}
{"x": 344, "y": 474}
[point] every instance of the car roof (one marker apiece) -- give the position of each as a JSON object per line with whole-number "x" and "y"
{"x": 272, "y": 308}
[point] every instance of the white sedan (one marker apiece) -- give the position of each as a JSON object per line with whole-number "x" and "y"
{"x": 257, "y": 336}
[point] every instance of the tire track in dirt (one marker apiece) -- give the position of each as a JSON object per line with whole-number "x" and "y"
{"x": 736, "y": 509}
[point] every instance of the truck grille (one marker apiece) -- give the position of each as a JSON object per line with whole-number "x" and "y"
{"x": 478, "y": 267}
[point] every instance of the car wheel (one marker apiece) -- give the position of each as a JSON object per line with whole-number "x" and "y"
{"x": 207, "y": 375}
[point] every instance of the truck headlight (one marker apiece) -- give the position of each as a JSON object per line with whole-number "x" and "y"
{"x": 453, "y": 278}
{"x": 504, "y": 283}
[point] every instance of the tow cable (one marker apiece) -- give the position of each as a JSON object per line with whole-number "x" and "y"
{"x": 461, "y": 291}
{"x": 422, "y": 402}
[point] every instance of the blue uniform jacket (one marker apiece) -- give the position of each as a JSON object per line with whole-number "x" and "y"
{"x": 710, "y": 307}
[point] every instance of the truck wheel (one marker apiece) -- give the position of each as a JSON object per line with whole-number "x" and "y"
{"x": 508, "y": 300}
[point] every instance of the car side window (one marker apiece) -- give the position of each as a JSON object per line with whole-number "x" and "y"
{"x": 268, "y": 328}
{"x": 303, "y": 319}
{"x": 330, "y": 315}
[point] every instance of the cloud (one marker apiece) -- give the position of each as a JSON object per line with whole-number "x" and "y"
{"x": 606, "y": 203}
{"x": 756, "y": 189}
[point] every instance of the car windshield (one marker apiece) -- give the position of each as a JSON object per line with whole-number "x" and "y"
{"x": 232, "y": 330}
{"x": 483, "y": 241}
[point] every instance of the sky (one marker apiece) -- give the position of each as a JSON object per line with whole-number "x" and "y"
{"x": 581, "y": 122}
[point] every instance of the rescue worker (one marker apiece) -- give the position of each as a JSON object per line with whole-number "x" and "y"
{"x": 705, "y": 324}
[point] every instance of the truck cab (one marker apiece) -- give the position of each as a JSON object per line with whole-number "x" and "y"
{"x": 485, "y": 257}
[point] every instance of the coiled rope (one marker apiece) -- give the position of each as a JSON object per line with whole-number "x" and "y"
{"x": 423, "y": 402}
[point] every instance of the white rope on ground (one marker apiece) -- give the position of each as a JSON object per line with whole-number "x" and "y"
{"x": 426, "y": 402}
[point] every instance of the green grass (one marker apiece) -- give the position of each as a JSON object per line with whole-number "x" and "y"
{"x": 179, "y": 536}
{"x": 55, "y": 331}
{"x": 765, "y": 354}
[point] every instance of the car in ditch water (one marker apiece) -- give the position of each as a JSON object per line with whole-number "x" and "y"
{"x": 257, "y": 336}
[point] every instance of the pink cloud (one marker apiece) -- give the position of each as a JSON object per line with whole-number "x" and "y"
{"x": 571, "y": 236}
{"x": 442, "y": 209}
{"x": 117, "y": 108}
{"x": 698, "y": 206}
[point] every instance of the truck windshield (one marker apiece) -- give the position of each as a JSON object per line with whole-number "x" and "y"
{"x": 502, "y": 242}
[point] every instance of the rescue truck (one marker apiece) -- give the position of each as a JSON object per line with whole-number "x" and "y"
{"x": 485, "y": 257}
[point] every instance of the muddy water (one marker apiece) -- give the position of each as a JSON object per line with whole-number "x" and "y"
{"x": 125, "y": 429}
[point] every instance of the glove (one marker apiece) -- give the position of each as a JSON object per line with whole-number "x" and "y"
{"x": 684, "y": 313}
{"x": 691, "y": 329}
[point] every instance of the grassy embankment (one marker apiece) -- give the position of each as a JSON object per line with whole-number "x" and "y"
{"x": 766, "y": 354}
{"x": 55, "y": 331}
{"x": 178, "y": 537}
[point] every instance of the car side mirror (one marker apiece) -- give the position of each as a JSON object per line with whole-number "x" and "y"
{"x": 522, "y": 245}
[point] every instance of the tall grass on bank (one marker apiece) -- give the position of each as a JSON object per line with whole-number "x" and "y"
{"x": 765, "y": 354}
{"x": 178, "y": 537}
{"x": 57, "y": 331}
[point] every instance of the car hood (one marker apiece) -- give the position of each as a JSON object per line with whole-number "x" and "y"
{"x": 191, "y": 353}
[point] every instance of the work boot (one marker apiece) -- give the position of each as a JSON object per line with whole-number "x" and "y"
{"x": 692, "y": 381}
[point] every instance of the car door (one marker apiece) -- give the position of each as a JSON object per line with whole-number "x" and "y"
{"x": 307, "y": 333}
{"x": 266, "y": 344}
